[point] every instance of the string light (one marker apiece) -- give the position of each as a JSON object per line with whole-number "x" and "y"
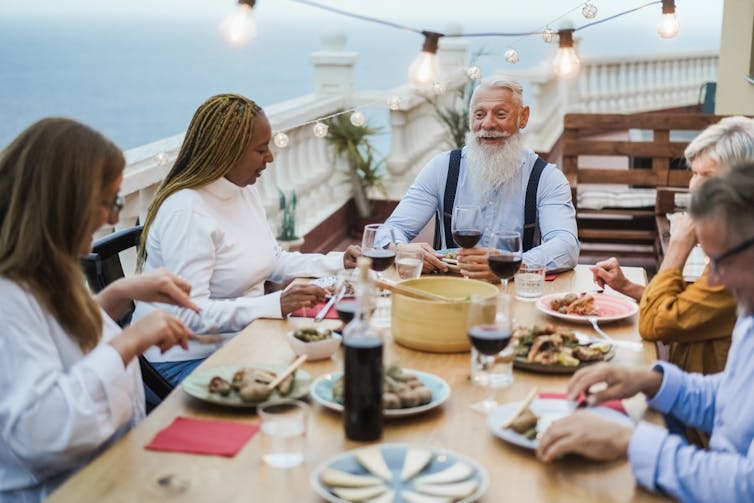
{"x": 358, "y": 119}
{"x": 668, "y": 27}
{"x": 239, "y": 28}
{"x": 424, "y": 70}
{"x": 474, "y": 73}
{"x": 320, "y": 129}
{"x": 589, "y": 11}
{"x": 548, "y": 35}
{"x": 566, "y": 63}
{"x": 281, "y": 140}
{"x": 161, "y": 158}
{"x": 511, "y": 56}
{"x": 394, "y": 102}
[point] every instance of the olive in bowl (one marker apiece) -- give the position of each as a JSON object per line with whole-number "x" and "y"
{"x": 315, "y": 343}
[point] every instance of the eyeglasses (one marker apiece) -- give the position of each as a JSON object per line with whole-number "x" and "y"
{"x": 116, "y": 205}
{"x": 714, "y": 262}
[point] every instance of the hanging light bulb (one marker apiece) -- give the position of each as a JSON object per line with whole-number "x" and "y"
{"x": 474, "y": 72}
{"x": 239, "y": 28}
{"x": 320, "y": 129}
{"x": 424, "y": 70}
{"x": 589, "y": 11}
{"x": 511, "y": 56}
{"x": 357, "y": 118}
{"x": 548, "y": 35}
{"x": 394, "y": 102}
{"x": 668, "y": 27}
{"x": 566, "y": 63}
{"x": 281, "y": 140}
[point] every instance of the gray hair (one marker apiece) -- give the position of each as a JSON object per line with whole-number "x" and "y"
{"x": 500, "y": 83}
{"x": 728, "y": 141}
{"x": 729, "y": 196}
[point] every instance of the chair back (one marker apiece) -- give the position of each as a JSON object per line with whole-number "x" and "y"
{"x": 103, "y": 266}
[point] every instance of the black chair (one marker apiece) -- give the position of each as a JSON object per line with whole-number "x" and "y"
{"x": 102, "y": 267}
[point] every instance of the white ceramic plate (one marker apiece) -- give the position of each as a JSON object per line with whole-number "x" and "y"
{"x": 322, "y": 393}
{"x": 609, "y": 307}
{"x": 196, "y": 385}
{"x": 548, "y": 410}
{"x": 394, "y": 455}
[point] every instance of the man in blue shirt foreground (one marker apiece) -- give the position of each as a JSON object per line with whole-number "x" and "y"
{"x": 721, "y": 404}
{"x": 494, "y": 173}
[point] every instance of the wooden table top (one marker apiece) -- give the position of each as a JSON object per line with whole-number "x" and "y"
{"x": 129, "y": 472}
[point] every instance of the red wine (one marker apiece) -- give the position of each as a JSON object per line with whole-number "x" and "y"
{"x": 489, "y": 339}
{"x": 467, "y": 239}
{"x": 346, "y": 310}
{"x": 505, "y": 265}
{"x": 362, "y": 416}
{"x": 381, "y": 259}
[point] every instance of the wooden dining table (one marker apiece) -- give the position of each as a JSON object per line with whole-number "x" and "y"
{"x": 129, "y": 472}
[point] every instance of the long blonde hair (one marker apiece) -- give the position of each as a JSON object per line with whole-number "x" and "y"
{"x": 51, "y": 181}
{"x": 216, "y": 139}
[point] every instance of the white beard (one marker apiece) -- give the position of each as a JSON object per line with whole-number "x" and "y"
{"x": 490, "y": 166}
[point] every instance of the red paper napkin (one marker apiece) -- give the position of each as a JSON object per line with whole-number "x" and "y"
{"x": 311, "y": 312}
{"x": 616, "y": 405}
{"x": 203, "y": 436}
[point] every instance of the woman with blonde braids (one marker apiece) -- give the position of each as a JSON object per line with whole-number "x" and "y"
{"x": 208, "y": 225}
{"x": 70, "y": 382}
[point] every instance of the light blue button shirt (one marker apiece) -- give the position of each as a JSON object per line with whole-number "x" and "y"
{"x": 502, "y": 211}
{"x": 722, "y": 404}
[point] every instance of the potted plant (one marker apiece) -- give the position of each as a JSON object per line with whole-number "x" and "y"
{"x": 365, "y": 169}
{"x": 287, "y": 237}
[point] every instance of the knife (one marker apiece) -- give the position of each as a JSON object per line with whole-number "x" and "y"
{"x": 333, "y": 299}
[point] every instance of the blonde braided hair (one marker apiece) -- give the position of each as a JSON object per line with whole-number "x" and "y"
{"x": 216, "y": 139}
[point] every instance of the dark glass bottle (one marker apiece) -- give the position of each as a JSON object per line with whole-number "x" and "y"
{"x": 362, "y": 416}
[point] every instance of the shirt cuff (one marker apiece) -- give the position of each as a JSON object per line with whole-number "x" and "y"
{"x": 669, "y": 388}
{"x": 265, "y": 306}
{"x": 644, "y": 453}
{"x": 107, "y": 365}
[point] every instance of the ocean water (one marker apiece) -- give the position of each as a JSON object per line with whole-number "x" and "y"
{"x": 140, "y": 80}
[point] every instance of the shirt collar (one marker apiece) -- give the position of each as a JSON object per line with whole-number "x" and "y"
{"x": 224, "y": 189}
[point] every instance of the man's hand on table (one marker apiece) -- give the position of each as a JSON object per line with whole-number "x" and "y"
{"x": 300, "y": 295}
{"x": 473, "y": 264}
{"x": 617, "y": 382}
{"x": 586, "y": 434}
{"x": 432, "y": 260}
{"x": 350, "y": 255}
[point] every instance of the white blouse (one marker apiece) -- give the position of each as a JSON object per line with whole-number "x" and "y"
{"x": 59, "y": 407}
{"x": 217, "y": 238}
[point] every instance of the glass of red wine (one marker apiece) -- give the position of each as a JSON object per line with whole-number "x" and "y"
{"x": 490, "y": 331}
{"x": 467, "y": 225}
{"x": 505, "y": 256}
{"x": 378, "y": 243}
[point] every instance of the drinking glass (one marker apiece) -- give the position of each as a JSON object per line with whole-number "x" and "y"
{"x": 378, "y": 243}
{"x": 530, "y": 281}
{"x": 467, "y": 225}
{"x": 490, "y": 330}
{"x": 505, "y": 256}
{"x": 345, "y": 292}
{"x": 409, "y": 260}
{"x": 283, "y": 432}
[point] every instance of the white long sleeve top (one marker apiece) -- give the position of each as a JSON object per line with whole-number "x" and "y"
{"x": 217, "y": 238}
{"x": 59, "y": 407}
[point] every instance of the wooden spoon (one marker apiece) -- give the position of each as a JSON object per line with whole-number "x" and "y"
{"x": 292, "y": 367}
{"x": 412, "y": 292}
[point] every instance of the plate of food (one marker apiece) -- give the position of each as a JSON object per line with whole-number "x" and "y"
{"x": 520, "y": 423}
{"x": 408, "y": 392}
{"x": 556, "y": 350}
{"x": 244, "y": 386}
{"x": 400, "y": 472}
{"x": 330, "y": 284}
{"x": 579, "y": 306}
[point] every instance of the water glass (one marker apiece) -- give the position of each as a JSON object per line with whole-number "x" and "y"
{"x": 409, "y": 260}
{"x": 283, "y": 432}
{"x": 530, "y": 281}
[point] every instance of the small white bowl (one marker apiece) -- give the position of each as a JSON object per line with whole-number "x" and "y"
{"x": 317, "y": 350}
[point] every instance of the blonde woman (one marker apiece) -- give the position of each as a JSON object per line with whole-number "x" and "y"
{"x": 70, "y": 381}
{"x": 208, "y": 224}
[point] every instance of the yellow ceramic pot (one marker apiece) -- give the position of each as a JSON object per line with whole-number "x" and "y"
{"x": 438, "y": 327}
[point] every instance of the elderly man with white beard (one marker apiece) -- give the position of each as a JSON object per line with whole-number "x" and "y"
{"x": 495, "y": 172}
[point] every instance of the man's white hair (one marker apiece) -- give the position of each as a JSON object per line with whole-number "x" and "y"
{"x": 499, "y": 83}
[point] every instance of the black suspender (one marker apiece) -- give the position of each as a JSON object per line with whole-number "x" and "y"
{"x": 530, "y": 203}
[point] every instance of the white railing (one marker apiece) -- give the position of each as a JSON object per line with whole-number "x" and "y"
{"x": 613, "y": 85}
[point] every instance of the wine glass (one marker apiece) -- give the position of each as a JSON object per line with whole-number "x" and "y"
{"x": 490, "y": 330}
{"x": 467, "y": 225}
{"x": 505, "y": 256}
{"x": 378, "y": 243}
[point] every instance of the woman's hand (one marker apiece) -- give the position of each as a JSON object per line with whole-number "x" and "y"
{"x": 158, "y": 328}
{"x": 298, "y": 296}
{"x": 161, "y": 286}
{"x": 352, "y": 253}
{"x": 619, "y": 382}
{"x": 586, "y": 434}
{"x": 608, "y": 272}
{"x": 473, "y": 264}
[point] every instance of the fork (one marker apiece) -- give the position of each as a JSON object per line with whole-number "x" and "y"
{"x": 334, "y": 299}
{"x": 632, "y": 345}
